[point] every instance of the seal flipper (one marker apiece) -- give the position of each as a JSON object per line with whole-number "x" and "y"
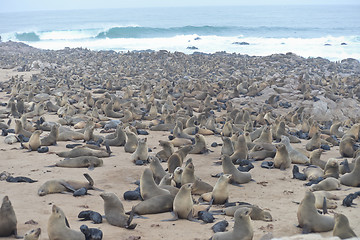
{"x": 128, "y": 224}
{"x": 67, "y": 223}
{"x": 324, "y": 208}
{"x": 68, "y": 186}
{"x": 191, "y": 218}
{"x": 16, "y": 235}
{"x": 90, "y": 180}
{"x": 306, "y": 229}
{"x": 175, "y": 217}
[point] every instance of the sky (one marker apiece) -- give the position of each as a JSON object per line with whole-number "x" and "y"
{"x": 46, "y": 5}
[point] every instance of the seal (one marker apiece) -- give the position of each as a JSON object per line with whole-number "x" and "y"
{"x": 220, "y": 193}
{"x": 177, "y": 176}
{"x": 327, "y": 184}
{"x": 265, "y": 136}
{"x": 200, "y": 187}
{"x": 200, "y": 145}
{"x": 346, "y": 147}
{"x": 60, "y": 185}
{"x": 119, "y": 139}
{"x": 91, "y": 233}
{"x": 52, "y": 137}
{"x": 166, "y": 152}
{"x": 352, "y": 178}
{"x": 331, "y": 168}
{"x": 156, "y": 168}
{"x": 315, "y": 158}
{"x": 242, "y": 227}
{"x": 236, "y": 176}
{"x": 8, "y": 220}
{"x": 85, "y": 151}
{"x": 34, "y": 141}
{"x": 114, "y": 211}
{"x": 240, "y": 150}
{"x": 95, "y": 217}
{"x": 156, "y": 204}
{"x": 256, "y": 214}
{"x": 20, "y": 130}
{"x": 80, "y": 162}
{"x": 188, "y": 175}
{"x": 131, "y": 142}
{"x": 282, "y": 159}
{"x": 227, "y": 147}
{"x": 33, "y": 234}
{"x": 319, "y": 199}
{"x": 177, "y": 158}
{"x": 183, "y": 204}
{"x": 314, "y": 143}
{"x": 148, "y": 187}
{"x": 141, "y": 152}
{"x": 296, "y": 157}
{"x": 342, "y": 227}
{"x": 58, "y": 229}
{"x": 309, "y": 219}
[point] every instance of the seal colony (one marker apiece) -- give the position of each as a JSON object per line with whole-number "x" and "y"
{"x": 91, "y": 108}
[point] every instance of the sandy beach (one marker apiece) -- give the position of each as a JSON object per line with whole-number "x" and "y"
{"x": 72, "y": 72}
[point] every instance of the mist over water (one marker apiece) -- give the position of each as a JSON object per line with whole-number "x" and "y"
{"x": 332, "y": 32}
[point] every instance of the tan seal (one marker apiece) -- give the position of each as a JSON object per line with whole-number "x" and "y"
{"x": 315, "y": 158}
{"x": 220, "y": 192}
{"x": 346, "y": 147}
{"x": 309, "y": 219}
{"x": 242, "y": 227}
{"x": 319, "y": 199}
{"x": 84, "y": 151}
{"x": 57, "y": 228}
{"x": 60, "y": 185}
{"x": 177, "y": 158}
{"x": 148, "y": 187}
{"x": 331, "y": 168}
{"x": 8, "y": 220}
{"x": 33, "y": 234}
{"x": 34, "y": 141}
{"x": 313, "y": 172}
{"x": 236, "y": 176}
{"x": 156, "y": 168}
{"x": 200, "y": 187}
{"x": 52, "y": 137}
{"x": 327, "y": 184}
{"x": 227, "y": 147}
{"x": 114, "y": 211}
{"x": 240, "y": 150}
{"x": 20, "y": 130}
{"x": 157, "y": 204}
{"x": 141, "y": 152}
{"x": 342, "y": 227}
{"x": 314, "y": 143}
{"x": 165, "y": 153}
{"x": 200, "y": 145}
{"x": 256, "y": 214}
{"x": 352, "y": 178}
{"x": 188, "y": 175}
{"x": 131, "y": 142}
{"x": 80, "y": 162}
{"x": 296, "y": 156}
{"x": 282, "y": 159}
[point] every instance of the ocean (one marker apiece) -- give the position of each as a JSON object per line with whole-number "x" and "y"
{"x": 331, "y": 32}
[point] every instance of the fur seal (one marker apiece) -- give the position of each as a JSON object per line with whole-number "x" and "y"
{"x": 352, "y": 178}
{"x": 33, "y": 234}
{"x": 256, "y": 214}
{"x": 314, "y": 143}
{"x": 34, "y": 141}
{"x": 114, "y": 211}
{"x": 236, "y": 176}
{"x": 346, "y": 146}
{"x": 265, "y": 136}
{"x": 177, "y": 158}
{"x": 131, "y": 142}
{"x": 220, "y": 192}
{"x": 296, "y": 157}
{"x": 308, "y": 217}
{"x": 58, "y": 229}
{"x": 188, "y": 175}
{"x": 282, "y": 159}
{"x": 177, "y": 176}
{"x": 119, "y": 139}
{"x": 227, "y": 147}
{"x": 165, "y": 153}
{"x": 20, "y": 130}
{"x": 141, "y": 152}
{"x": 84, "y": 151}
{"x": 60, "y": 185}
{"x": 148, "y": 187}
{"x": 91, "y": 233}
{"x": 240, "y": 150}
{"x": 52, "y": 137}
{"x": 156, "y": 168}
{"x": 342, "y": 227}
{"x": 319, "y": 199}
{"x": 315, "y": 158}
{"x": 242, "y": 227}
{"x": 327, "y": 184}
{"x": 156, "y": 204}
{"x": 199, "y": 187}
{"x": 80, "y": 162}
{"x": 331, "y": 168}
{"x": 8, "y": 220}
{"x": 200, "y": 145}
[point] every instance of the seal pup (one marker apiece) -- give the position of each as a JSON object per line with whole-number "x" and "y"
{"x": 52, "y": 137}
{"x": 114, "y": 211}
{"x": 148, "y": 187}
{"x": 200, "y": 145}
{"x": 327, "y": 184}
{"x": 34, "y": 141}
{"x": 91, "y": 233}
{"x": 352, "y": 178}
{"x": 314, "y": 143}
{"x": 236, "y": 176}
{"x": 220, "y": 192}
{"x": 183, "y": 204}
{"x": 33, "y": 234}
{"x": 342, "y": 227}
{"x": 346, "y": 147}
{"x": 296, "y": 157}
{"x": 309, "y": 219}
{"x": 141, "y": 152}
{"x": 177, "y": 158}
{"x": 60, "y": 185}
{"x": 165, "y": 153}
{"x": 8, "y": 219}
{"x": 58, "y": 229}
{"x": 242, "y": 227}
{"x": 282, "y": 159}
